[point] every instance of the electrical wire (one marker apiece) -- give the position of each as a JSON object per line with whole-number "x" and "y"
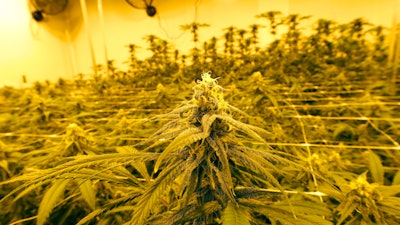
{"x": 165, "y": 31}
{"x": 360, "y": 118}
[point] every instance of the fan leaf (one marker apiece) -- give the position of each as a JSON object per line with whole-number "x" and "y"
{"x": 223, "y": 175}
{"x": 88, "y": 192}
{"x": 50, "y": 199}
{"x": 151, "y": 196}
{"x": 375, "y": 167}
{"x": 396, "y": 178}
{"x": 242, "y": 127}
{"x": 282, "y": 213}
{"x": 345, "y": 210}
{"x": 186, "y": 138}
{"x": 91, "y": 216}
{"x": 233, "y": 215}
{"x": 139, "y": 166}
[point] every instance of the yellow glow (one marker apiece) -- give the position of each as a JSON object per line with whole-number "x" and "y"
{"x": 52, "y": 48}
{"x": 13, "y": 14}
{"x": 27, "y": 47}
{"x": 14, "y": 23}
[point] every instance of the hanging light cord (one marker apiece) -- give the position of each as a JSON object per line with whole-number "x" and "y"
{"x": 196, "y": 9}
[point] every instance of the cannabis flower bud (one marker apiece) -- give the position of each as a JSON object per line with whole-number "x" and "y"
{"x": 208, "y": 94}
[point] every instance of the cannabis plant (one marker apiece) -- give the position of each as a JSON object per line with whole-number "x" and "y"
{"x": 75, "y": 142}
{"x": 202, "y": 167}
{"x": 365, "y": 199}
{"x": 97, "y": 150}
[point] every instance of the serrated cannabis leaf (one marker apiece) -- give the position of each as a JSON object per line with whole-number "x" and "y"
{"x": 151, "y": 196}
{"x": 185, "y": 138}
{"x": 50, "y": 199}
{"x": 396, "y": 178}
{"x": 88, "y": 192}
{"x": 375, "y": 167}
{"x": 234, "y": 215}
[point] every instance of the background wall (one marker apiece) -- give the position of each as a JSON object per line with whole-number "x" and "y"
{"x": 72, "y": 42}
{"x": 38, "y": 50}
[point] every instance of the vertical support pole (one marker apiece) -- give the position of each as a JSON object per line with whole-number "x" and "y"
{"x": 394, "y": 50}
{"x": 86, "y": 22}
{"x": 102, "y": 26}
{"x": 72, "y": 53}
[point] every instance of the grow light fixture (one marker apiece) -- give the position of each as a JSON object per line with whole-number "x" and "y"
{"x": 144, "y": 4}
{"x": 49, "y": 7}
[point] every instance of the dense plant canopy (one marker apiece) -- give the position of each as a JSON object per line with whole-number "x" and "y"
{"x": 302, "y": 131}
